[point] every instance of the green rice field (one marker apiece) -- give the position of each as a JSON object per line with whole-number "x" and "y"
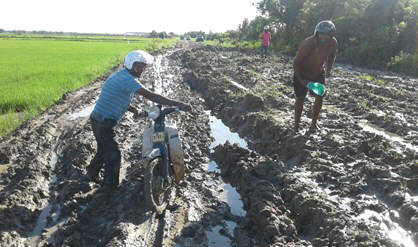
{"x": 36, "y": 71}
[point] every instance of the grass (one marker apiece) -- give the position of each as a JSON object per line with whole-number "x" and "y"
{"x": 3, "y": 168}
{"x": 273, "y": 90}
{"x": 252, "y": 74}
{"x": 119, "y": 38}
{"x": 233, "y": 43}
{"x": 365, "y": 77}
{"x": 373, "y": 80}
{"x": 364, "y": 103}
{"x": 218, "y": 43}
{"x": 35, "y": 73}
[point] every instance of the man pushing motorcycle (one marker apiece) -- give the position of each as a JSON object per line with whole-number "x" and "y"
{"x": 114, "y": 100}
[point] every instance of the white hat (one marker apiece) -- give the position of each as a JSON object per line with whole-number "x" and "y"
{"x": 138, "y": 56}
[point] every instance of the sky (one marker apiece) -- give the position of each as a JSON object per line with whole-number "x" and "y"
{"x": 120, "y": 16}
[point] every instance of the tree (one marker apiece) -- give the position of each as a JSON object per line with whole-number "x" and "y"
{"x": 154, "y": 34}
{"x": 162, "y": 35}
{"x": 369, "y": 32}
{"x": 171, "y": 34}
{"x": 243, "y": 30}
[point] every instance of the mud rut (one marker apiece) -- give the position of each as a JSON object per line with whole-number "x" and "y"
{"x": 354, "y": 183}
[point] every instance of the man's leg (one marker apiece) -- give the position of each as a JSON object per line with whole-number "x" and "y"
{"x": 96, "y": 163}
{"x": 316, "y": 109}
{"x": 317, "y": 106}
{"x": 298, "y": 111}
{"x": 300, "y": 92}
{"x": 111, "y": 155}
{"x": 112, "y": 166}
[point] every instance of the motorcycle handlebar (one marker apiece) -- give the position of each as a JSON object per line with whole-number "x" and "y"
{"x": 167, "y": 111}
{"x": 163, "y": 112}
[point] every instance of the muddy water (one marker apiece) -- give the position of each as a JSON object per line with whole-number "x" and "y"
{"x": 387, "y": 227}
{"x": 46, "y": 212}
{"x": 390, "y": 136}
{"x": 83, "y": 113}
{"x": 222, "y": 134}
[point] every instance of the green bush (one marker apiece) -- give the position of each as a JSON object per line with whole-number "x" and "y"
{"x": 405, "y": 63}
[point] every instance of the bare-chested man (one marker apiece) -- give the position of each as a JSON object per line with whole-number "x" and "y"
{"x": 314, "y": 52}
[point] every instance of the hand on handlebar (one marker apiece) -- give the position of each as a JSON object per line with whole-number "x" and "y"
{"x": 142, "y": 114}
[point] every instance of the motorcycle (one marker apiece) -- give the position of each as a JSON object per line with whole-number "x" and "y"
{"x": 163, "y": 152}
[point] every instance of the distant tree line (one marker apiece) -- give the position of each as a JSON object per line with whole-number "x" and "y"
{"x": 42, "y": 32}
{"x": 379, "y": 34}
{"x": 162, "y": 35}
{"x": 231, "y": 35}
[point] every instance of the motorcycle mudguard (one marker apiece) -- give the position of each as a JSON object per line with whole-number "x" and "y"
{"x": 176, "y": 152}
{"x": 154, "y": 153}
{"x": 147, "y": 142}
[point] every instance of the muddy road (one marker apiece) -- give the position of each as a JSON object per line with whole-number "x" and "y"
{"x": 250, "y": 181}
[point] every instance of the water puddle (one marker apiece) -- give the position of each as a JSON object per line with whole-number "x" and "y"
{"x": 231, "y": 225}
{"x": 41, "y": 221}
{"x": 162, "y": 80}
{"x": 194, "y": 212}
{"x": 221, "y": 133}
{"x": 50, "y": 212}
{"x": 213, "y": 167}
{"x": 216, "y": 239}
{"x": 371, "y": 128}
{"x": 219, "y": 235}
{"x": 233, "y": 198}
{"x": 237, "y": 85}
{"x": 389, "y": 228}
{"x": 157, "y": 84}
{"x": 378, "y": 113}
{"x": 81, "y": 114}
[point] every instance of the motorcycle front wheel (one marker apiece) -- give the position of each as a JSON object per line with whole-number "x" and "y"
{"x": 155, "y": 194}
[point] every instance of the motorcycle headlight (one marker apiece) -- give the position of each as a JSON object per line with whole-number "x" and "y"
{"x": 154, "y": 112}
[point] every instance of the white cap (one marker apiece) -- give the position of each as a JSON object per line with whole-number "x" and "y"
{"x": 138, "y": 56}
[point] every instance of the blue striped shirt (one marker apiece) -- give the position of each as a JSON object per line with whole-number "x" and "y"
{"x": 116, "y": 96}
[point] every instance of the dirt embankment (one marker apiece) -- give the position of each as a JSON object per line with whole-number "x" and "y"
{"x": 354, "y": 183}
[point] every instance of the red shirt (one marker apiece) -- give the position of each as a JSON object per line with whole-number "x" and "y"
{"x": 266, "y": 36}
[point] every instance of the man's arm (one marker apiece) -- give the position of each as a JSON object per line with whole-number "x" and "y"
{"x": 133, "y": 110}
{"x": 331, "y": 57}
{"x": 301, "y": 54}
{"x": 161, "y": 99}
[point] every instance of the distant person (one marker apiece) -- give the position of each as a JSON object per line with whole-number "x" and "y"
{"x": 265, "y": 41}
{"x": 113, "y": 102}
{"x": 313, "y": 53}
